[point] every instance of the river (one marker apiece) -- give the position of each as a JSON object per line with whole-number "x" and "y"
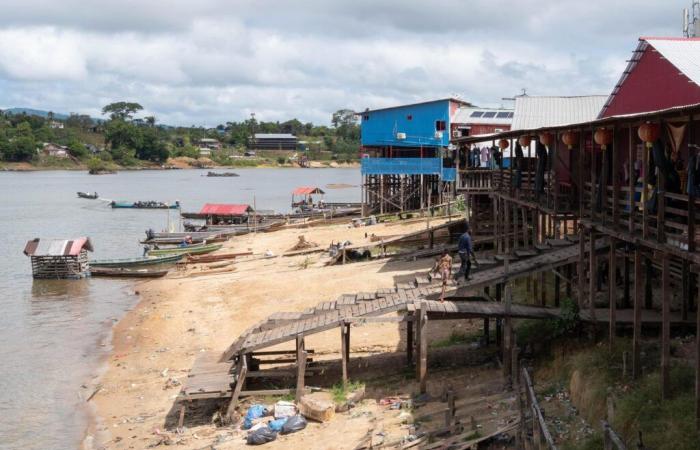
{"x": 56, "y": 334}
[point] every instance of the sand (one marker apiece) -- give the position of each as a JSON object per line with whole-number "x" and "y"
{"x": 181, "y": 315}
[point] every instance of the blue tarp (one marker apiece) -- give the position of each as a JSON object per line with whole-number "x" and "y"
{"x": 407, "y": 166}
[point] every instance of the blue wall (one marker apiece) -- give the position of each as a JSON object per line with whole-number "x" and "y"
{"x": 379, "y": 128}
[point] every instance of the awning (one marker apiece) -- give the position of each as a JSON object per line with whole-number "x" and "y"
{"x": 222, "y": 209}
{"x": 57, "y": 247}
{"x": 306, "y": 190}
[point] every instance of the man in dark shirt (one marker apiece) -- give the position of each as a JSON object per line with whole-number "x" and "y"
{"x": 465, "y": 251}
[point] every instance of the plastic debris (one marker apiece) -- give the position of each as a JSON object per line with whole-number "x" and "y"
{"x": 261, "y": 436}
{"x": 294, "y": 424}
{"x": 285, "y": 409}
{"x": 254, "y": 412}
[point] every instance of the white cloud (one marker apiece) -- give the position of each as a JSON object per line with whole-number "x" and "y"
{"x": 210, "y": 61}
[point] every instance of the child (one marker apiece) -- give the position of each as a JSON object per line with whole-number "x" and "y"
{"x": 444, "y": 267}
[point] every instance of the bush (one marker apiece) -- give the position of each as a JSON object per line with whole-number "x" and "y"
{"x": 281, "y": 160}
{"x": 96, "y": 165}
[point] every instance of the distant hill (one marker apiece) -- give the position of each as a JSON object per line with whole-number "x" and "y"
{"x": 35, "y": 112}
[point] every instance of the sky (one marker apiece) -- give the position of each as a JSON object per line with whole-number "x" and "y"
{"x": 205, "y": 62}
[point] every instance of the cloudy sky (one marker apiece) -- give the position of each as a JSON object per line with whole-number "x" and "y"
{"x": 205, "y": 62}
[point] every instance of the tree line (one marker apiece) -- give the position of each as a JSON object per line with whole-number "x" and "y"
{"x": 127, "y": 139}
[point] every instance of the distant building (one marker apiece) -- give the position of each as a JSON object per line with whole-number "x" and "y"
{"x": 59, "y": 258}
{"x": 273, "y": 141}
{"x": 211, "y": 144}
{"x": 55, "y": 150}
{"x": 548, "y": 111}
{"x": 474, "y": 121}
{"x": 204, "y": 151}
{"x": 662, "y": 73}
{"x": 56, "y": 125}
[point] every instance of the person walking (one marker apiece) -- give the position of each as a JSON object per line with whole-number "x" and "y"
{"x": 466, "y": 252}
{"x": 443, "y": 266}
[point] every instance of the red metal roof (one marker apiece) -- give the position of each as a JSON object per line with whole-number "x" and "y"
{"x": 222, "y": 209}
{"x": 304, "y": 190}
{"x": 57, "y": 247}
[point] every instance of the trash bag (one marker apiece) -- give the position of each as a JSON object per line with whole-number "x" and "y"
{"x": 276, "y": 425}
{"x": 294, "y": 424}
{"x": 261, "y": 436}
{"x": 254, "y": 412}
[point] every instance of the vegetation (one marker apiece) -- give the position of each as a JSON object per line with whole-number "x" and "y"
{"x": 340, "y": 391}
{"x": 128, "y": 140}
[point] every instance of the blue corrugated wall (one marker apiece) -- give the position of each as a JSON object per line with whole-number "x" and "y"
{"x": 379, "y": 128}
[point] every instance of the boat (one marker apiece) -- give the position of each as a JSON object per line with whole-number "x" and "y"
{"x": 126, "y": 273}
{"x": 136, "y": 262}
{"x": 196, "y": 249}
{"x": 175, "y": 240}
{"x": 149, "y": 204}
{"x": 222, "y": 174}
{"x": 89, "y": 195}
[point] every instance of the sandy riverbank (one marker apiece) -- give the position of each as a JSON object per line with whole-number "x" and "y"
{"x": 181, "y": 315}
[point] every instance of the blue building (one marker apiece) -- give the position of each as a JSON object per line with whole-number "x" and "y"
{"x": 407, "y": 162}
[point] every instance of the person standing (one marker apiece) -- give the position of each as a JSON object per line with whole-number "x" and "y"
{"x": 443, "y": 266}
{"x": 466, "y": 251}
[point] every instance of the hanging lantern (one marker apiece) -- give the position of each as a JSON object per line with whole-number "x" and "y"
{"x": 524, "y": 140}
{"x": 569, "y": 138}
{"x": 603, "y": 137}
{"x": 503, "y": 144}
{"x": 546, "y": 138}
{"x": 649, "y": 132}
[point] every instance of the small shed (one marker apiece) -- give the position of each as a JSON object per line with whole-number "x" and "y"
{"x": 59, "y": 258}
{"x": 224, "y": 213}
{"x": 306, "y": 193}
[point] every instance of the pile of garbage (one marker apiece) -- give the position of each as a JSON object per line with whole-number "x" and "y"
{"x": 264, "y": 423}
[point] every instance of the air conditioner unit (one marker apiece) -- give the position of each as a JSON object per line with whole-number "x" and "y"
{"x": 438, "y": 135}
{"x": 400, "y": 136}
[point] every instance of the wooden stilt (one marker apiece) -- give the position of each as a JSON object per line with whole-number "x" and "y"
{"x": 240, "y": 380}
{"x": 648, "y": 300}
{"x": 344, "y": 352}
{"x": 626, "y": 297}
{"x": 423, "y": 366}
{"x": 592, "y": 276}
{"x": 301, "y": 367}
{"x": 557, "y": 290}
{"x": 697, "y": 370}
{"x": 637, "y": 323}
{"x": 409, "y": 340}
{"x": 612, "y": 294}
{"x": 581, "y": 266}
{"x": 569, "y": 277}
{"x": 543, "y": 290}
{"x": 487, "y": 331}
{"x": 665, "y": 329}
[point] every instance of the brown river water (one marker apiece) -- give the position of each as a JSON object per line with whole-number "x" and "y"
{"x": 55, "y": 335}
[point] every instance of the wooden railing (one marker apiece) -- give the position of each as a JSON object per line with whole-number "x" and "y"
{"x": 611, "y": 440}
{"x": 541, "y": 437}
{"x": 475, "y": 179}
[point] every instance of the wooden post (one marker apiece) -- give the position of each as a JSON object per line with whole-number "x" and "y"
{"x": 612, "y": 293}
{"x": 409, "y": 338}
{"x": 581, "y": 265}
{"x": 697, "y": 370}
{"x": 499, "y": 334}
{"x": 423, "y": 363}
{"x": 543, "y": 290}
{"x": 632, "y": 181}
{"x": 301, "y": 367}
{"x": 240, "y": 379}
{"x": 626, "y": 279}
{"x": 615, "y": 180}
{"x": 557, "y": 289}
{"x": 665, "y": 329}
{"x": 592, "y": 276}
{"x": 569, "y": 277}
{"x": 637, "y": 323}
{"x": 344, "y": 351}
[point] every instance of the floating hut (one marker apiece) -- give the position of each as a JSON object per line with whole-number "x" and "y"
{"x": 59, "y": 258}
{"x": 306, "y": 194}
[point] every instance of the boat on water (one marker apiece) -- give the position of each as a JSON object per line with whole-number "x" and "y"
{"x": 149, "y": 204}
{"x": 175, "y": 240}
{"x": 136, "y": 262}
{"x": 222, "y": 174}
{"x": 88, "y": 195}
{"x": 126, "y": 273}
{"x": 196, "y": 249}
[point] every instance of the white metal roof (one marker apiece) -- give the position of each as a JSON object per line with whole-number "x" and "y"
{"x": 682, "y": 53}
{"x": 535, "y": 112}
{"x": 489, "y": 116}
{"x": 274, "y": 136}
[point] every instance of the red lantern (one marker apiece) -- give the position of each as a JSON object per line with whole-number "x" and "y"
{"x": 503, "y": 144}
{"x": 569, "y": 138}
{"x": 649, "y": 132}
{"x": 546, "y": 138}
{"x": 524, "y": 140}
{"x": 603, "y": 137}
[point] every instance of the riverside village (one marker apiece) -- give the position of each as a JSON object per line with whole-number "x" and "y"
{"x": 431, "y": 259}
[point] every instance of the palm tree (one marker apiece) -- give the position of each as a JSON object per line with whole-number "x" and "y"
{"x": 150, "y": 120}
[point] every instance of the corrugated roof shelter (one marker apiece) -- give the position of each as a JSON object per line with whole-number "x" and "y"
{"x": 223, "y": 209}
{"x": 662, "y": 73}
{"x": 273, "y": 141}
{"x": 548, "y": 111}
{"x": 307, "y": 190}
{"x": 59, "y": 258}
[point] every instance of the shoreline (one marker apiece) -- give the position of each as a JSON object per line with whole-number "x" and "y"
{"x": 22, "y": 169}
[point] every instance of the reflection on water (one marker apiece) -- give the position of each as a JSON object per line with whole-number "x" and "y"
{"x": 51, "y": 330}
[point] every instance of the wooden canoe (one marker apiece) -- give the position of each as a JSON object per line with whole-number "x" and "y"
{"x": 136, "y": 262}
{"x": 126, "y": 273}
{"x": 197, "y": 249}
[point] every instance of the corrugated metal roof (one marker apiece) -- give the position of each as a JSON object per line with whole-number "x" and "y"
{"x": 451, "y": 99}
{"x": 536, "y": 112}
{"x": 57, "y": 247}
{"x": 221, "y": 209}
{"x": 274, "y": 136}
{"x": 468, "y": 116}
{"x": 682, "y": 53}
{"x": 304, "y": 190}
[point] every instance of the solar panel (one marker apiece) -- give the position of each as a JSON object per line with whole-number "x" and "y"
{"x": 489, "y": 114}
{"x": 502, "y": 115}
{"x": 477, "y": 114}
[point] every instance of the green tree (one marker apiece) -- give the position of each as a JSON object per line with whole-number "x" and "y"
{"x": 119, "y": 133}
{"x": 150, "y": 121}
{"x": 151, "y": 147}
{"x": 343, "y": 117}
{"x": 22, "y": 148}
{"x": 121, "y": 110}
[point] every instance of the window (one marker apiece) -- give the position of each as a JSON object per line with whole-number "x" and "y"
{"x": 489, "y": 114}
{"x": 502, "y": 115}
{"x": 477, "y": 114}
{"x": 365, "y": 117}
{"x": 409, "y": 117}
{"x": 440, "y": 125}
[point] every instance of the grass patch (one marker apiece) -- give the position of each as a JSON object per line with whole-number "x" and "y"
{"x": 456, "y": 338}
{"x": 340, "y": 391}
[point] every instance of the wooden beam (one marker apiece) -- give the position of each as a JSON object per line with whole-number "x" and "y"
{"x": 697, "y": 370}
{"x": 344, "y": 338}
{"x": 581, "y": 265}
{"x": 592, "y": 275}
{"x": 301, "y": 367}
{"x": 612, "y": 292}
{"x": 637, "y": 323}
{"x": 240, "y": 380}
{"x": 666, "y": 329}
{"x": 423, "y": 365}
{"x": 409, "y": 339}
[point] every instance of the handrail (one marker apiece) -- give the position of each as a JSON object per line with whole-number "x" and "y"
{"x": 537, "y": 413}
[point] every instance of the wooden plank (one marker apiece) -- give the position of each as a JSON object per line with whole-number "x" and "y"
{"x": 301, "y": 367}
{"x": 665, "y": 330}
{"x": 637, "y": 327}
{"x": 612, "y": 292}
{"x": 240, "y": 380}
